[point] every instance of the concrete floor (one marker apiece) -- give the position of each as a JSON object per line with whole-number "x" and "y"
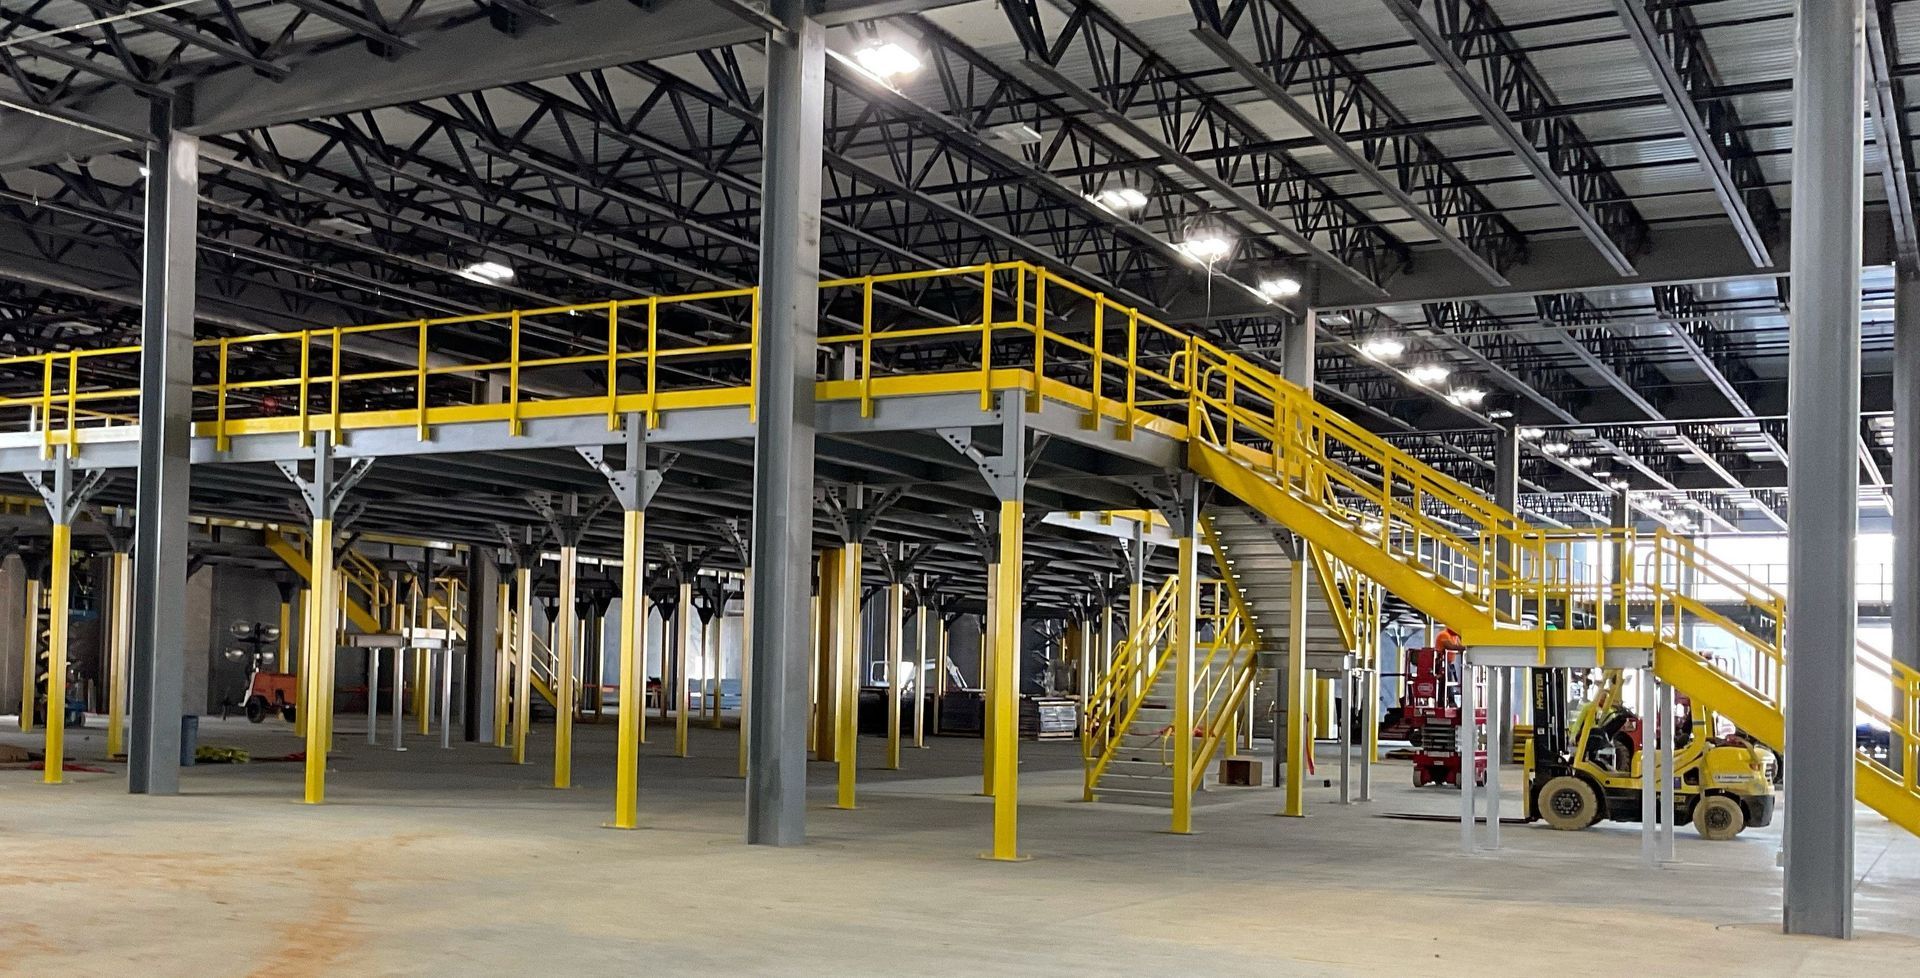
{"x": 455, "y": 863}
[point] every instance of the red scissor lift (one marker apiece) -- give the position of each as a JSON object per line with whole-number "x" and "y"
{"x": 1432, "y": 712}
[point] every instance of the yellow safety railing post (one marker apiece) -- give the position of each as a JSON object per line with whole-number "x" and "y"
{"x": 613, "y": 366}
{"x": 1097, "y": 409}
{"x": 420, "y": 383}
{"x": 72, "y": 440}
{"x": 986, "y": 337}
{"x": 334, "y": 407}
{"x": 1133, "y": 373}
{"x": 513, "y": 375}
{"x": 1004, "y": 701}
{"x": 653, "y": 363}
{"x": 306, "y": 373}
{"x": 1039, "y": 337}
{"x": 866, "y": 347}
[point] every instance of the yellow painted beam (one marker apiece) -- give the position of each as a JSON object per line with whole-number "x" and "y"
{"x": 357, "y": 614}
{"x": 633, "y": 679}
{"x": 502, "y": 662}
{"x": 846, "y": 728}
{"x": 317, "y": 699}
{"x": 565, "y": 631}
{"x": 896, "y": 615}
{"x": 1004, "y": 711}
{"x": 58, "y": 602}
{"x": 523, "y": 671}
{"x": 119, "y": 651}
{"x": 826, "y": 607}
{"x": 30, "y": 655}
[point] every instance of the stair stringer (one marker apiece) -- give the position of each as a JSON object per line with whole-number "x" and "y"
{"x": 1320, "y": 530}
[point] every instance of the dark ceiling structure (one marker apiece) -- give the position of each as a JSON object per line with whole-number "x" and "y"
{"x": 1565, "y": 215}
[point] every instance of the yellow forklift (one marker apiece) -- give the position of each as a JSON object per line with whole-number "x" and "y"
{"x": 1581, "y": 772}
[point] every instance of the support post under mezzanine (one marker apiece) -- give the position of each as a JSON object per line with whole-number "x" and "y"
{"x": 322, "y": 493}
{"x": 1006, "y": 475}
{"x": 120, "y": 631}
{"x": 1184, "y": 514}
{"x": 168, "y": 261}
{"x": 1294, "y": 733}
{"x": 633, "y": 485}
{"x": 568, "y": 524}
{"x": 526, "y": 554}
{"x": 1823, "y": 471}
{"x": 785, "y": 350}
{"x": 64, "y": 496}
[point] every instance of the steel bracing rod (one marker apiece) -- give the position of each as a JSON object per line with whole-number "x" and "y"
{"x": 1467, "y": 40}
{"x": 1314, "y": 82}
{"x": 1129, "y": 79}
{"x": 1886, "y": 105}
{"x": 1669, "y": 41}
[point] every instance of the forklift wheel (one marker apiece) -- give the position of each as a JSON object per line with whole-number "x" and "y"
{"x": 1718, "y": 818}
{"x": 1569, "y": 803}
{"x": 286, "y": 713}
{"x": 256, "y": 710}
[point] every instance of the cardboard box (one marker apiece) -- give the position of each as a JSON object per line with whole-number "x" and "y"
{"x": 1244, "y": 771}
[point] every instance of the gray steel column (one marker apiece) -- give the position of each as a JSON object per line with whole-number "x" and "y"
{"x": 1823, "y": 418}
{"x": 1296, "y": 365}
{"x": 166, "y": 411}
{"x": 483, "y": 619}
{"x": 1506, "y": 494}
{"x": 783, "y": 428}
{"x": 1906, "y": 480}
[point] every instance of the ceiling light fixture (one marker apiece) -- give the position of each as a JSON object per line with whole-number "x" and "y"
{"x": 1466, "y": 396}
{"x": 1556, "y": 448}
{"x": 1500, "y": 414}
{"x": 1619, "y": 483}
{"x": 1283, "y": 287}
{"x": 1428, "y": 373}
{"x": 1119, "y": 199}
{"x": 885, "y": 59}
{"x": 1532, "y": 434}
{"x": 1207, "y": 245}
{"x": 487, "y": 273}
{"x": 1580, "y": 462}
{"x": 1383, "y": 348}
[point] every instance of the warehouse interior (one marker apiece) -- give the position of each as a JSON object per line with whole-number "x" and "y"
{"x": 1302, "y": 487}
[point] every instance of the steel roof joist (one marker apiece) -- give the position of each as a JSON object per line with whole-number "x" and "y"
{"x": 1467, "y": 40}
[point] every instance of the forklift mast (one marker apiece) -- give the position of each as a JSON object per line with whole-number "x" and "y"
{"x": 1550, "y": 745}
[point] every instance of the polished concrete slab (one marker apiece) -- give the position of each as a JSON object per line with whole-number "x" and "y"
{"x": 455, "y": 862}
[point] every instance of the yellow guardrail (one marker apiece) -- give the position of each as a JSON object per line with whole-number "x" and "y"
{"x": 1036, "y": 330}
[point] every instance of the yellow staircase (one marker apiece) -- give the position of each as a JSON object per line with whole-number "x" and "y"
{"x": 1455, "y": 555}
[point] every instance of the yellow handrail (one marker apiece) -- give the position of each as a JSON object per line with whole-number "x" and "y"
{"x": 1054, "y": 339}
